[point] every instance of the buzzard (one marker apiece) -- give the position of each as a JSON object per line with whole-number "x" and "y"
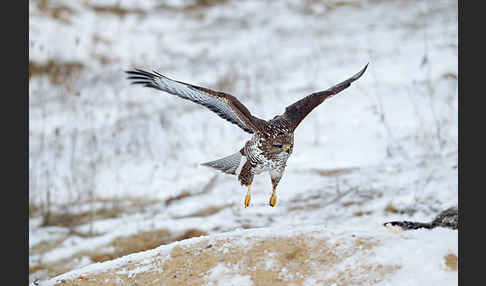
{"x": 273, "y": 140}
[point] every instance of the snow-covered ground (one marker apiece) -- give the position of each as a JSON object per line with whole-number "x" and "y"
{"x": 383, "y": 149}
{"x": 280, "y": 256}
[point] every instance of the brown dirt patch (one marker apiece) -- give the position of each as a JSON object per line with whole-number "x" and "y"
{"x": 301, "y": 257}
{"x": 110, "y": 209}
{"x": 115, "y": 10}
{"x": 196, "y": 6}
{"x": 362, "y": 213}
{"x": 119, "y": 11}
{"x": 45, "y": 246}
{"x": 390, "y": 208}
{"x": 59, "y": 12}
{"x": 208, "y": 211}
{"x": 181, "y": 196}
{"x": 138, "y": 242}
{"x": 334, "y": 172}
{"x": 451, "y": 261}
{"x": 57, "y": 71}
{"x": 449, "y": 75}
{"x": 121, "y": 246}
{"x": 362, "y": 275}
{"x": 72, "y": 219}
{"x": 351, "y": 203}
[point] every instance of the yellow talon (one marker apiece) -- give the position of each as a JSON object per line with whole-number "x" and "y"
{"x": 247, "y": 198}
{"x": 273, "y": 199}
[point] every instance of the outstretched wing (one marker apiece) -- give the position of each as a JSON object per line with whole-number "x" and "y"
{"x": 223, "y": 104}
{"x": 296, "y": 112}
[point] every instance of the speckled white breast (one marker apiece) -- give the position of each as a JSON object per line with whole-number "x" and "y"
{"x": 260, "y": 162}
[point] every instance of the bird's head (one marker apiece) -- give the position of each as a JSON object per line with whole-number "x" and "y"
{"x": 282, "y": 144}
{"x": 280, "y": 147}
{"x": 280, "y": 139}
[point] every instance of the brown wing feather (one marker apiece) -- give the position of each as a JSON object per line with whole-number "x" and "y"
{"x": 225, "y": 105}
{"x": 296, "y": 112}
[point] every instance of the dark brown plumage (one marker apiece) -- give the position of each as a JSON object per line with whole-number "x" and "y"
{"x": 272, "y": 142}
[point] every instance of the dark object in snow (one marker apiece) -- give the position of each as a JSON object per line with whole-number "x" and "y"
{"x": 273, "y": 140}
{"x": 448, "y": 218}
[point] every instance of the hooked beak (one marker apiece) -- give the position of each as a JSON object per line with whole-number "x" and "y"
{"x": 287, "y": 148}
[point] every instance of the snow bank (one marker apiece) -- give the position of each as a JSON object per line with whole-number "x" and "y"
{"x": 282, "y": 256}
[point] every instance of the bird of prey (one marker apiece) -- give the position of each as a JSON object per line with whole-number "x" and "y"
{"x": 273, "y": 140}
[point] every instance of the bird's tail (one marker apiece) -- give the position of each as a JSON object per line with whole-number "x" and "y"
{"x": 228, "y": 164}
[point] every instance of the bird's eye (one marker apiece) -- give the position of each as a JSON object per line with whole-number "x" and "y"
{"x": 278, "y": 146}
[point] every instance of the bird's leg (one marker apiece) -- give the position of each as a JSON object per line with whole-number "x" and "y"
{"x": 248, "y": 197}
{"x": 275, "y": 175}
{"x": 246, "y": 178}
{"x": 273, "y": 198}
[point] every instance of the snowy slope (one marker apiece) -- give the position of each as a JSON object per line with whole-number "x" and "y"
{"x": 282, "y": 256}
